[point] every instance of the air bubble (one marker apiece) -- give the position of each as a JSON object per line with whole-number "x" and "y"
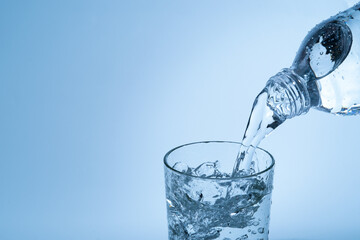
{"x": 243, "y": 237}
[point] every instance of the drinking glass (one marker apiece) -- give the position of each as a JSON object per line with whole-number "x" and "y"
{"x": 205, "y": 202}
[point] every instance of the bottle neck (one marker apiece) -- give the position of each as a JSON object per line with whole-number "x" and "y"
{"x": 288, "y": 95}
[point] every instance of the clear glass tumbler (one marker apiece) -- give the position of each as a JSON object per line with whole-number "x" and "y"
{"x": 205, "y": 202}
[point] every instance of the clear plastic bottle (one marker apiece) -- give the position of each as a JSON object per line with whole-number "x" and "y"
{"x": 325, "y": 73}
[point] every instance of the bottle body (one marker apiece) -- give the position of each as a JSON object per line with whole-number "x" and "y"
{"x": 324, "y": 75}
{"x": 326, "y": 70}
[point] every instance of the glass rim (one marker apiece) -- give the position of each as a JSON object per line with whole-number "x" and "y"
{"x": 217, "y": 179}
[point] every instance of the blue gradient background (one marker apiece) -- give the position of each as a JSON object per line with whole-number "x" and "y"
{"x": 93, "y": 93}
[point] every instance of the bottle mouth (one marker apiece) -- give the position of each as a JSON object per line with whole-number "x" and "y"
{"x": 287, "y": 94}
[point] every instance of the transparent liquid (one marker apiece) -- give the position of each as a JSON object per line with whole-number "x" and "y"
{"x": 263, "y": 120}
{"x": 325, "y": 75}
{"x": 230, "y": 209}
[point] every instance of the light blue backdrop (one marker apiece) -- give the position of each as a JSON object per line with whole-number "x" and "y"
{"x": 93, "y": 93}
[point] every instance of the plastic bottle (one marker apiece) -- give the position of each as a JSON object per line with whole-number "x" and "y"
{"x": 325, "y": 73}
